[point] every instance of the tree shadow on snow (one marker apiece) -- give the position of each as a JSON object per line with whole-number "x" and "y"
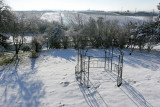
{"x": 96, "y": 52}
{"x": 65, "y": 54}
{"x": 19, "y": 90}
{"x": 33, "y": 62}
{"x": 7, "y": 65}
{"x": 92, "y": 96}
{"x": 134, "y": 95}
{"x": 149, "y": 60}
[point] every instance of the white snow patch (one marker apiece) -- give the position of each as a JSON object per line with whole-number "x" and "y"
{"x": 49, "y": 81}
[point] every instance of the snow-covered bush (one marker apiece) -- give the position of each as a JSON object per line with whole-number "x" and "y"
{"x": 147, "y": 34}
{"x": 37, "y": 43}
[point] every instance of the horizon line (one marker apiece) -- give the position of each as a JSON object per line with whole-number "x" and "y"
{"x": 130, "y": 11}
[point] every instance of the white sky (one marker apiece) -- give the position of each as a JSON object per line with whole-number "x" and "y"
{"x": 107, "y": 5}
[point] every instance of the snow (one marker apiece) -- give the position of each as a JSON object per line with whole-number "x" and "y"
{"x": 28, "y": 39}
{"x": 145, "y": 18}
{"x": 67, "y": 16}
{"x": 52, "y": 16}
{"x": 157, "y": 47}
{"x": 49, "y": 81}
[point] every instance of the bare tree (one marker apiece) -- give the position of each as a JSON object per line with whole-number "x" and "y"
{"x": 18, "y": 39}
{"x": 18, "y": 31}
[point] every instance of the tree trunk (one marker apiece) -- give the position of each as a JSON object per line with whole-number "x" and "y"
{"x": 17, "y": 51}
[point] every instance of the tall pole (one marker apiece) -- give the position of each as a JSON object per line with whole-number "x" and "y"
{"x": 105, "y": 60}
{"x": 81, "y": 70}
{"x": 118, "y": 77}
{"x": 88, "y": 71}
{"x": 112, "y": 54}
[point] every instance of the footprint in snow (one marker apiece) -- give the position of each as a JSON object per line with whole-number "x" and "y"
{"x": 148, "y": 77}
{"x": 65, "y": 75}
{"x": 62, "y": 105}
{"x": 65, "y": 84}
{"x": 130, "y": 82}
{"x": 52, "y": 92}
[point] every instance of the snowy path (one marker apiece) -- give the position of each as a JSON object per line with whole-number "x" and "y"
{"x": 49, "y": 81}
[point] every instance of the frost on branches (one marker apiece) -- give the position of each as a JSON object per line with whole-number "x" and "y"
{"x": 147, "y": 35}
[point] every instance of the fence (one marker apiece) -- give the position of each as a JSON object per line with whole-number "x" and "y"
{"x": 85, "y": 63}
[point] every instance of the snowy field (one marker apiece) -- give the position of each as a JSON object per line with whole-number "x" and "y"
{"x": 49, "y": 81}
{"x": 67, "y": 16}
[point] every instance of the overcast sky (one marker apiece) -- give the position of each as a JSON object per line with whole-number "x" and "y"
{"x": 107, "y": 5}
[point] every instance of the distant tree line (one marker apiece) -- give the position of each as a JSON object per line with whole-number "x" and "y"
{"x": 78, "y": 33}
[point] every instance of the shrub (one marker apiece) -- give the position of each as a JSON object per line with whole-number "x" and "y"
{"x": 36, "y": 44}
{"x": 33, "y": 54}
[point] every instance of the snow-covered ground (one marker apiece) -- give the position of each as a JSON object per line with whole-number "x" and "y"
{"x": 67, "y": 16}
{"x": 49, "y": 81}
{"x": 157, "y": 47}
